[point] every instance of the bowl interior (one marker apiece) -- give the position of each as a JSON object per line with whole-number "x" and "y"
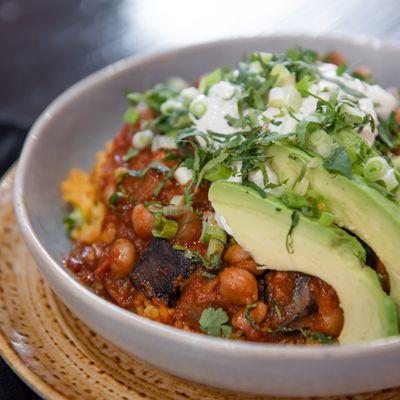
{"x": 74, "y": 127}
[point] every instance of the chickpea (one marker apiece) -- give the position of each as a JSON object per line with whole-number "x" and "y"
{"x": 240, "y": 258}
{"x": 142, "y": 221}
{"x": 189, "y": 228}
{"x": 259, "y": 313}
{"x": 108, "y": 233}
{"x": 238, "y": 286}
{"x": 107, "y": 192}
{"x": 239, "y": 321}
{"x": 123, "y": 256}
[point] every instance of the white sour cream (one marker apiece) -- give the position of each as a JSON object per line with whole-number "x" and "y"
{"x": 221, "y": 102}
{"x": 384, "y": 101}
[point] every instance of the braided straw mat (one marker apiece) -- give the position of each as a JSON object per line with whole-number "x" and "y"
{"x": 61, "y": 358}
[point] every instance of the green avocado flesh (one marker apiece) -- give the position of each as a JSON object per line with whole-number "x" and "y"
{"x": 261, "y": 226}
{"x": 356, "y": 207}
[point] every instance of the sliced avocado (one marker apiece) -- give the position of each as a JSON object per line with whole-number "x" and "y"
{"x": 261, "y": 226}
{"x": 355, "y": 206}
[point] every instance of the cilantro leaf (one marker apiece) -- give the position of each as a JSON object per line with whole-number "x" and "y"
{"x": 339, "y": 161}
{"x": 213, "y": 322}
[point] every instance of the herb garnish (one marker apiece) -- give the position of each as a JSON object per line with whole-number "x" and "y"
{"x": 213, "y": 322}
{"x": 249, "y": 318}
{"x": 339, "y": 161}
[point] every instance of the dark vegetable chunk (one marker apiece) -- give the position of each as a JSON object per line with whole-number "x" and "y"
{"x": 161, "y": 270}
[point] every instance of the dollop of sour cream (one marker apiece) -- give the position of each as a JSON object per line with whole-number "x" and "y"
{"x": 221, "y": 102}
{"x": 384, "y": 102}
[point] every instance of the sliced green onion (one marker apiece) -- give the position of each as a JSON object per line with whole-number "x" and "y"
{"x": 73, "y": 220}
{"x": 163, "y": 142}
{"x": 142, "y": 139}
{"x": 255, "y": 67}
{"x": 352, "y": 114}
{"x": 321, "y": 142}
{"x": 210, "y": 79}
{"x": 170, "y": 106}
{"x": 276, "y": 97}
{"x": 188, "y": 94}
{"x": 375, "y": 168}
{"x": 265, "y": 57}
{"x": 293, "y": 98}
{"x": 163, "y": 227}
{"x": 283, "y": 75}
{"x": 214, "y": 232}
{"x": 180, "y": 119}
{"x": 134, "y": 98}
{"x": 130, "y": 154}
{"x": 390, "y": 179}
{"x": 154, "y": 207}
{"x": 175, "y": 211}
{"x": 177, "y": 201}
{"x": 396, "y": 162}
{"x": 214, "y": 253}
{"x": 131, "y": 116}
{"x": 176, "y": 84}
{"x": 326, "y": 218}
{"x": 198, "y": 106}
{"x": 211, "y": 230}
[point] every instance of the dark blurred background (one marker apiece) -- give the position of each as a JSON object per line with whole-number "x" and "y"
{"x": 47, "y": 45}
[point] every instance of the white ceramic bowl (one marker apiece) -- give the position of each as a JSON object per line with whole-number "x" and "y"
{"x": 76, "y": 125}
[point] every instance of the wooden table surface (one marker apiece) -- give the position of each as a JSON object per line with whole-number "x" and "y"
{"x": 47, "y": 45}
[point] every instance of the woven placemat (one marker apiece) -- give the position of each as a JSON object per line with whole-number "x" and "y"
{"x": 61, "y": 358}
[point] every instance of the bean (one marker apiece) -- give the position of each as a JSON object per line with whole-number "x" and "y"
{"x": 238, "y": 286}
{"x": 259, "y": 313}
{"x": 142, "y": 221}
{"x": 108, "y": 233}
{"x": 189, "y": 228}
{"x": 123, "y": 256}
{"x": 238, "y": 257}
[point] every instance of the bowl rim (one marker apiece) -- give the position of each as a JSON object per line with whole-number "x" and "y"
{"x": 217, "y": 345}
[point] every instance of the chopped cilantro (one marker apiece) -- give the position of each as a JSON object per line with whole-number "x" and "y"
{"x": 213, "y": 322}
{"x": 249, "y": 318}
{"x": 339, "y": 161}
